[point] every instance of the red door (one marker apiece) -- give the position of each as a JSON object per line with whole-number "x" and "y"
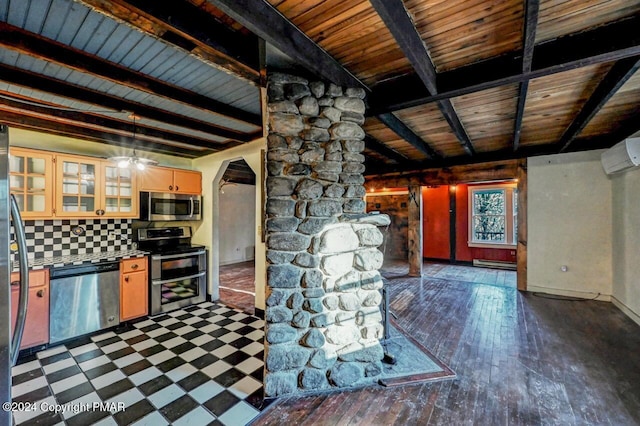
{"x": 435, "y": 217}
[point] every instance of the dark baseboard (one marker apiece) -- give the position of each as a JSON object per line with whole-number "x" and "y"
{"x": 449, "y": 261}
{"x": 259, "y": 313}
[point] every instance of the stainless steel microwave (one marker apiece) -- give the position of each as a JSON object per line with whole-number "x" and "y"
{"x": 167, "y": 206}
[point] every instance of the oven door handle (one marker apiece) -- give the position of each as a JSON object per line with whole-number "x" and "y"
{"x": 188, "y": 277}
{"x": 177, "y": 256}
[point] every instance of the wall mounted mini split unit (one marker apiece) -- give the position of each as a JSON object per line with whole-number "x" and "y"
{"x": 621, "y": 156}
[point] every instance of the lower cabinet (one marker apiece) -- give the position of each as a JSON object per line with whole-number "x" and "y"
{"x": 36, "y": 327}
{"x": 134, "y": 296}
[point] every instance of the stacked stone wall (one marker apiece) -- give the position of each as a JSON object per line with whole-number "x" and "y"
{"x": 323, "y": 321}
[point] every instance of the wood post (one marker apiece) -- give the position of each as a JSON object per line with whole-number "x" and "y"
{"x": 415, "y": 230}
{"x": 521, "y": 175}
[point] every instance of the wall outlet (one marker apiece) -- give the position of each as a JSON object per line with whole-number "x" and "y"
{"x": 111, "y": 236}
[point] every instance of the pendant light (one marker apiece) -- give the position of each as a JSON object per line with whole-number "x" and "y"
{"x": 125, "y": 162}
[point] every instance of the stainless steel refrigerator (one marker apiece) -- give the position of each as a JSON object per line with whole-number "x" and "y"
{"x": 9, "y": 339}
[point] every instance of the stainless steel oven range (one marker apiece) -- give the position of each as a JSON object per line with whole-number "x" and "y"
{"x": 178, "y": 275}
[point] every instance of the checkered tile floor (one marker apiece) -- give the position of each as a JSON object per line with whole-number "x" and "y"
{"x": 195, "y": 366}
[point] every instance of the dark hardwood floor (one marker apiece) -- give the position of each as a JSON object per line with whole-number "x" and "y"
{"x": 237, "y": 286}
{"x": 519, "y": 359}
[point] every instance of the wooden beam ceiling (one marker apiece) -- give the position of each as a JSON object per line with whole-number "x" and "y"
{"x": 532, "y": 8}
{"x": 8, "y": 101}
{"x": 39, "y": 47}
{"x": 267, "y": 23}
{"x": 25, "y": 120}
{"x": 67, "y": 90}
{"x": 377, "y": 146}
{"x": 190, "y": 27}
{"x": 607, "y": 43}
{"x": 622, "y": 71}
{"x": 397, "y": 19}
{"x": 402, "y": 130}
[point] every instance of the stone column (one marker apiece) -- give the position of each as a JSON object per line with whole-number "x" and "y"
{"x": 322, "y": 309}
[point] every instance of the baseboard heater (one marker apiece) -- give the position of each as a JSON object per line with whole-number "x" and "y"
{"x": 497, "y": 264}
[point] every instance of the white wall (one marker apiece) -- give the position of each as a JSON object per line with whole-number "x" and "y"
{"x": 207, "y": 231}
{"x": 626, "y": 242}
{"x": 569, "y": 223}
{"x": 238, "y": 208}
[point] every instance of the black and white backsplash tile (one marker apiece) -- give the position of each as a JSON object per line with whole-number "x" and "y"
{"x": 54, "y": 238}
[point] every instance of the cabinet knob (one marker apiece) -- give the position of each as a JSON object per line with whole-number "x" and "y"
{"x": 134, "y": 266}
{"x": 170, "y": 187}
{"x": 40, "y": 293}
{"x": 126, "y": 279}
{"x": 176, "y": 187}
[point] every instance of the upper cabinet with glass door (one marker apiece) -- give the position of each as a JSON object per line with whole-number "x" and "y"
{"x": 31, "y": 181}
{"x": 120, "y": 198}
{"x": 77, "y": 188}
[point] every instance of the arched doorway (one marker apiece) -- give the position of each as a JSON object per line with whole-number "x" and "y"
{"x": 236, "y": 203}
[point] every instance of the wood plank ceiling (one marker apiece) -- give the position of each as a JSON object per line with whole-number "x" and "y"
{"x": 448, "y": 82}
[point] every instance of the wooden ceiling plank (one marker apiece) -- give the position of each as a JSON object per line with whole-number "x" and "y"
{"x": 377, "y": 146}
{"x": 608, "y": 43}
{"x": 23, "y": 121}
{"x": 228, "y": 49}
{"x": 532, "y": 9}
{"x": 67, "y": 90}
{"x": 126, "y": 127}
{"x": 619, "y": 74}
{"x": 397, "y": 19}
{"x": 401, "y": 129}
{"x": 266, "y": 22}
{"x": 39, "y": 47}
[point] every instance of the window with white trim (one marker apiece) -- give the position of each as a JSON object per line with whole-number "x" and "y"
{"x": 493, "y": 216}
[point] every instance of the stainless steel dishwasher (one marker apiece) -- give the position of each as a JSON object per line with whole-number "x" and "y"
{"x": 83, "y": 299}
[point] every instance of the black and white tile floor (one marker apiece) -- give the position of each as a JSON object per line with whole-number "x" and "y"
{"x": 196, "y": 366}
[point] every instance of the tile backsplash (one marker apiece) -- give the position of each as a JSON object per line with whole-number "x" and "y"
{"x": 52, "y": 238}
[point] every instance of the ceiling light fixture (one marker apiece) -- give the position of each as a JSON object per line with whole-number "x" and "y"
{"x": 125, "y": 162}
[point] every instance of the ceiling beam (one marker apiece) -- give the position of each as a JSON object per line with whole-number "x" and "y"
{"x": 192, "y": 28}
{"x": 39, "y": 47}
{"x": 377, "y": 146}
{"x": 30, "y": 122}
{"x": 530, "y": 25}
{"x": 622, "y": 71}
{"x": 607, "y": 43}
{"x": 396, "y": 18}
{"x": 402, "y": 130}
{"x": 628, "y": 128}
{"x": 265, "y": 21}
{"x": 27, "y": 79}
{"x": 125, "y": 127}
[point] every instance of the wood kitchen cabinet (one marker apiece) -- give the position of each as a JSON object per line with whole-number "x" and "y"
{"x": 92, "y": 188}
{"x": 134, "y": 286}
{"x": 163, "y": 179}
{"x": 77, "y": 187}
{"x": 36, "y": 328}
{"x": 31, "y": 181}
{"x": 120, "y": 195}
